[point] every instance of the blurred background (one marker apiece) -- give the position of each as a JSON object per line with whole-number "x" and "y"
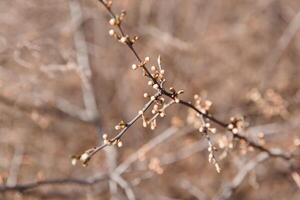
{"x": 61, "y": 74}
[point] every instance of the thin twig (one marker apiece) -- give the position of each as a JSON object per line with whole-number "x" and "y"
{"x": 33, "y": 185}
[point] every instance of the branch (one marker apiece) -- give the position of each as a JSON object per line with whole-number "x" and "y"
{"x": 228, "y": 190}
{"x": 72, "y": 181}
{"x": 156, "y": 81}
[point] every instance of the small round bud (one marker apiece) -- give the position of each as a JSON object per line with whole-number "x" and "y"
{"x": 74, "y": 161}
{"x": 235, "y": 131}
{"x": 155, "y": 86}
{"x": 106, "y": 142}
{"x": 111, "y": 32}
{"x": 120, "y": 144}
{"x": 147, "y": 59}
{"x": 146, "y": 95}
{"x": 109, "y": 4}
{"x": 134, "y": 66}
{"x": 162, "y": 72}
{"x": 123, "y": 39}
{"x": 152, "y": 98}
{"x": 141, "y": 112}
{"x": 230, "y": 126}
{"x": 213, "y": 130}
{"x": 112, "y": 21}
{"x": 104, "y": 136}
{"x": 150, "y": 83}
{"x": 84, "y": 156}
{"x": 153, "y": 68}
{"x": 135, "y": 38}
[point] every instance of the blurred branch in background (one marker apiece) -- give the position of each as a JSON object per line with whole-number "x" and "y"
{"x": 230, "y": 188}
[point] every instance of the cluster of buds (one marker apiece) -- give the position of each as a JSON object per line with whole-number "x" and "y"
{"x": 224, "y": 143}
{"x": 270, "y": 103}
{"x": 157, "y": 72}
{"x": 205, "y": 130}
{"x": 236, "y": 125}
{"x": 175, "y": 94}
{"x": 83, "y": 158}
{"x": 157, "y": 76}
{"x": 121, "y": 125}
{"x": 123, "y": 39}
{"x": 107, "y": 3}
{"x": 117, "y": 19}
{"x": 106, "y": 141}
{"x": 140, "y": 65}
{"x": 202, "y": 104}
{"x": 152, "y": 122}
{"x": 155, "y": 166}
{"x": 158, "y": 110}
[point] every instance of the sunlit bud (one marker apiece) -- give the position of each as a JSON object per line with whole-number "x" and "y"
{"x": 162, "y": 72}
{"x": 141, "y": 112}
{"x": 134, "y": 66}
{"x": 147, "y": 59}
{"x": 155, "y": 107}
{"x": 209, "y": 149}
{"x": 155, "y": 86}
{"x": 112, "y": 21}
{"x": 218, "y": 169}
{"x": 297, "y": 142}
{"x": 235, "y": 130}
{"x": 104, "y": 136}
{"x": 120, "y": 144}
{"x": 153, "y": 125}
{"x": 84, "y": 157}
{"x": 111, "y": 32}
{"x": 201, "y": 129}
{"x": 144, "y": 124}
{"x": 213, "y": 130}
{"x": 135, "y": 38}
{"x": 153, "y": 68}
{"x": 177, "y": 100}
{"x": 150, "y": 82}
{"x": 146, "y": 95}
{"x": 152, "y": 98}
{"x": 109, "y": 4}
{"x": 74, "y": 161}
{"x": 230, "y": 126}
{"x": 123, "y": 39}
